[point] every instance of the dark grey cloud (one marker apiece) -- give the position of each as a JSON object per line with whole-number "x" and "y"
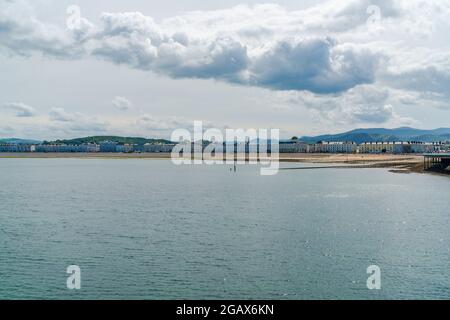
{"x": 318, "y": 64}
{"x": 226, "y": 59}
{"x": 313, "y": 65}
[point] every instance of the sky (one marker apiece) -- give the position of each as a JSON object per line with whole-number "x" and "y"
{"x": 145, "y": 68}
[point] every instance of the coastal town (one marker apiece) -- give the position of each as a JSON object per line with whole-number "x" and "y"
{"x": 293, "y": 145}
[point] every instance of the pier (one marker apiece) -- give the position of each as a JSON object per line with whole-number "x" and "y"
{"x": 436, "y": 161}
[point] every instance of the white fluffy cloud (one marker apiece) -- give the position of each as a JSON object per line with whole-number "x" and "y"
{"x": 166, "y": 124}
{"x": 352, "y": 61}
{"x": 22, "y": 110}
{"x": 122, "y": 103}
{"x": 59, "y": 114}
{"x": 264, "y": 45}
{"x": 365, "y": 104}
{"x": 67, "y": 122}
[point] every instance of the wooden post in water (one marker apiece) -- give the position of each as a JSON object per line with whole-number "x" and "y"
{"x": 235, "y": 147}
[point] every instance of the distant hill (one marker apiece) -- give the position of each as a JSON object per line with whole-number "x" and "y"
{"x": 381, "y": 134}
{"x": 20, "y": 141}
{"x": 99, "y": 139}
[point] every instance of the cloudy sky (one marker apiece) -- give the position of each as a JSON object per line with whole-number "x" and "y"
{"x": 143, "y": 68}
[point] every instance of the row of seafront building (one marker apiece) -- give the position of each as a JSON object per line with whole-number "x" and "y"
{"x": 107, "y": 146}
{"x": 289, "y": 146}
{"x": 397, "y": 147}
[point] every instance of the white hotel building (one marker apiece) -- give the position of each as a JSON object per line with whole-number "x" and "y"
{"x": 334, "y": 147}
{"x": 399, "y": 147}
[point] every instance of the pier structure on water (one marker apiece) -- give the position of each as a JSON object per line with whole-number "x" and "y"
{"x": 436, "y": 161}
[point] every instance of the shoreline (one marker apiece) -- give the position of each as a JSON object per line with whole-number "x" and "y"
{"x": 402, "y": 163}
{"x": 350, "y": 160}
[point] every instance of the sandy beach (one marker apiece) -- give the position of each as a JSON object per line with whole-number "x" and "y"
{"x": 398, "y": 163}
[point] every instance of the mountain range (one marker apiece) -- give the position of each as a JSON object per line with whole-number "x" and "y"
{"x": 357, "y": 135}
{"x": 382, "y": 134}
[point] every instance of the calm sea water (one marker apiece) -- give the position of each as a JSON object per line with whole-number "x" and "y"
{"x": 146, "y": 229}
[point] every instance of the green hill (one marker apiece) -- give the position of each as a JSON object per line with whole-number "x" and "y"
{"x": 99, "y": 139}
{"x": 20, "y": 141}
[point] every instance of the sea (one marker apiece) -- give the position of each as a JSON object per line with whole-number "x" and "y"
{"x": 148, "y": 229}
